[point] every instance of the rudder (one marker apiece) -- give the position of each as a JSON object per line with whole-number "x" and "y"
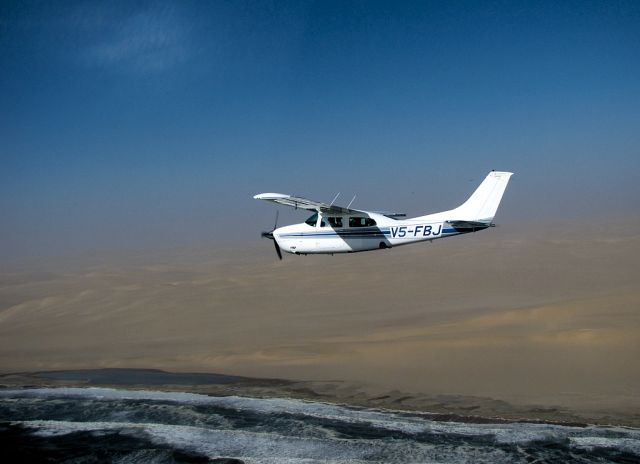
{"x": 483, "y": 204}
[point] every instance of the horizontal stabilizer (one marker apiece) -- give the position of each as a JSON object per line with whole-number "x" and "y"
{"x": 470, "y": 224}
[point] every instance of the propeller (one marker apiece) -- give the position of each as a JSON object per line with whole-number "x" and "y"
{"x": 269, "y": 235}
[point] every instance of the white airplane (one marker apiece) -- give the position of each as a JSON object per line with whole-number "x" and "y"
{"x": 334, "y": 229}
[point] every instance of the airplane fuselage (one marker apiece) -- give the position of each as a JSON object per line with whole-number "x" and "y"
{"x": 348, "y": 234}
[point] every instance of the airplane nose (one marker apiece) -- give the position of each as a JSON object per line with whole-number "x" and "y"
{"x": 269, "y": 235}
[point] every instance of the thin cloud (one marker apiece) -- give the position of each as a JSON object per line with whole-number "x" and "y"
{"x": 151, "y": 41}
{"x": 120, "y": 37}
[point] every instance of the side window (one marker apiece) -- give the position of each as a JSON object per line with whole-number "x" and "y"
{"x": 361, "y": 222}
{"x": 335, "y": 222}
{"x": 322, "y": 223}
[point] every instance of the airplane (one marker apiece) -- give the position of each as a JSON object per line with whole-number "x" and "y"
{"x": 334, "y": 229}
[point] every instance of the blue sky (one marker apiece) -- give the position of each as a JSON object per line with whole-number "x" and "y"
{"x": 151, "y": 124}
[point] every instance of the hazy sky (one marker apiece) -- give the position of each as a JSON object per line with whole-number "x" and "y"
{"x": 151, "y": 124}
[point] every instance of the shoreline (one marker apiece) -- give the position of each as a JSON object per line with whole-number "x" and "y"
{"x": 454, "y": 408}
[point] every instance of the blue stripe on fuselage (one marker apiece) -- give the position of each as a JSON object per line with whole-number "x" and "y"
{"x": 341, "y": 233}
{"x": 377, "y": 233}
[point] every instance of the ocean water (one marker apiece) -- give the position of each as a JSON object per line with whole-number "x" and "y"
{"x": 108, "y": 425}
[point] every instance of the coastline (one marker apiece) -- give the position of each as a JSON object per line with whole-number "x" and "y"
{"x": 454, "y": 408}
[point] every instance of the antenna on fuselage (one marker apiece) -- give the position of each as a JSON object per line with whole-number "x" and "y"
{"x": 354, "y": 197}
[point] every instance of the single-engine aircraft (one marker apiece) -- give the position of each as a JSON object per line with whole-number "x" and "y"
{"x": 335, "y": 229}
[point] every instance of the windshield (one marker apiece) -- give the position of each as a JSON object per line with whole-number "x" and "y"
{"x": 312, "y": 220}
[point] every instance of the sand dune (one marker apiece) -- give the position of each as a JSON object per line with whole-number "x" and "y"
{"x": 508, "y": 313}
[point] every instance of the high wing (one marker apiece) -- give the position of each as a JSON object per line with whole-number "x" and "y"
{"x": 304, "y": 203}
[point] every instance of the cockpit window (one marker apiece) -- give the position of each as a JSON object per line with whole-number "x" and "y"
{"x": 312, "y": 220}
{"x": 361, "y": 222}
{"x": 335, "y": 222}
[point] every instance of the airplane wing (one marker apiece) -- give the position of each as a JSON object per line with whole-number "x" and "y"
{"x": 303, "y": 203}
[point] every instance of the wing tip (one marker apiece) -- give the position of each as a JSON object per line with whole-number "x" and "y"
{"x": 500, "y": 173}
{"x": 270, "y": 196}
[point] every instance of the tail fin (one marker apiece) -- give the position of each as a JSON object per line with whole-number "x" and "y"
{"x": 483, "y": 204}
{"x": 481, "y": 207}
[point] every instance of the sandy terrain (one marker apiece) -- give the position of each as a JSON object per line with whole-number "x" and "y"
{"x": 510, "y": 314}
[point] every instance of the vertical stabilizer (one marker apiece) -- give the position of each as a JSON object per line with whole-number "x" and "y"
{"x": 481, "y": 207}
{"x": 483, "y": 204}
